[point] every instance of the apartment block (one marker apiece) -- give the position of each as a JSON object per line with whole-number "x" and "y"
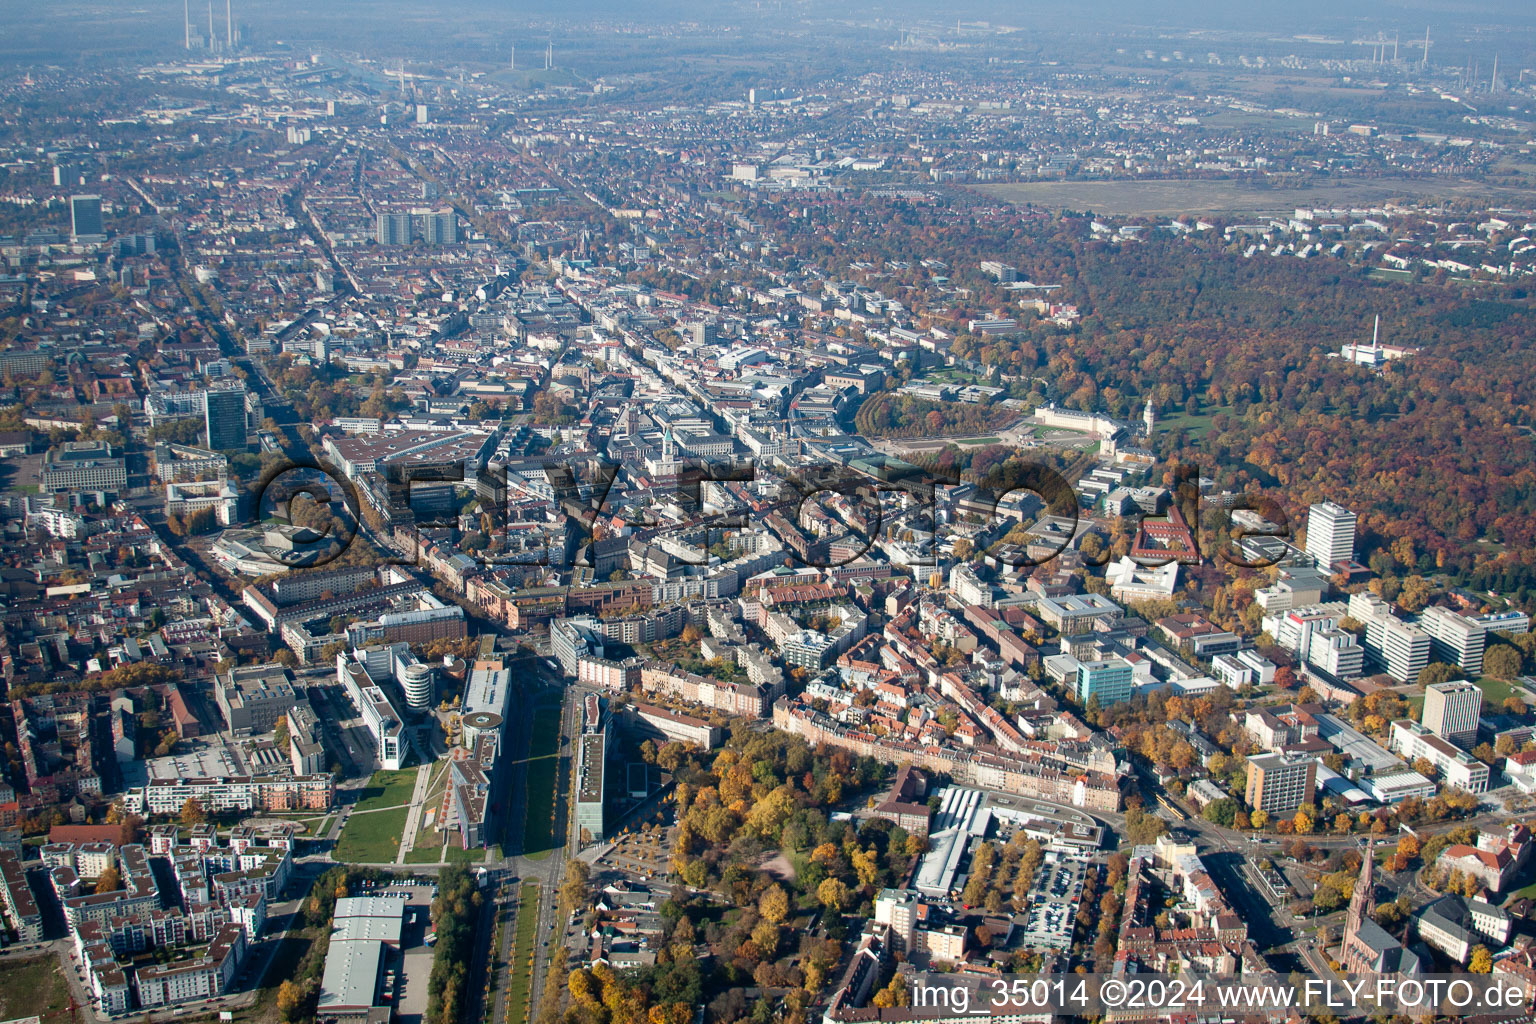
{"x": 1279, "y": 784}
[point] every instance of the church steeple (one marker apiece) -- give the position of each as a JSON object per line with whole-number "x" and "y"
{"x": 1361, "y": 904}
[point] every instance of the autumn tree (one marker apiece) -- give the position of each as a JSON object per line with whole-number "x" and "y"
{"x": 773, "y": 905}
{"x": 894, "y": 994}
{"x": 1502, "y": 662}
{"x": 289, "y": 997}
{"x": 833, "y": 894}
{"x": 128, "y": 829}
{"x": 192, "y": 812}
{"x": 109, "y": 880}
{"x": 573, "y": 887}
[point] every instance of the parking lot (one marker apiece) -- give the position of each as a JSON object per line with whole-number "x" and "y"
{"x": 347, "y": 740}
{"x": 1053, "y": 903}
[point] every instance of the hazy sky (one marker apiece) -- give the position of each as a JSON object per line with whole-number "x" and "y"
{"x": 72, "y": 30}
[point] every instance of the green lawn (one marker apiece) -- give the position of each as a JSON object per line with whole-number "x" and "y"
{"x": 543, "y": 769}
{"x": 437, "y": 782}
{"x": 982, "y": 440}
{"x": 1495, "y": 691}
{"x": 429, "y": 835}
{"x": 520, "y": 985}
{"x": 387, "y": 789}
{"x": 430, "y": 853}
{"x": 312, "y": 826}
{"x": 458, "y": 855}
{"x": 371, "y": 838}
{"x": 1197, "y": 425}
{"x": 32, "y": 988}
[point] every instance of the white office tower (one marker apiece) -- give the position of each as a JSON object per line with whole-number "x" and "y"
{"x": 1330, "y": 534}
{"x": 1398, "y": 648}
{"x": 417, "y": 680}
{"x": 1455, "y": 638}
{"x": 1451, "y": 711}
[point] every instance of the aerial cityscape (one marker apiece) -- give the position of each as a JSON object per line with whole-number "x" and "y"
{"x": 767, "y": 512}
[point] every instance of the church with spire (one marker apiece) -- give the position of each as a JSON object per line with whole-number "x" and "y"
{"x": 1368, "y": 948}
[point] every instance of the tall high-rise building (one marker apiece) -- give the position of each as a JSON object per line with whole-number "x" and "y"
{"x": 1455, "y": 638}
{"x": 1330, "y": 534}
{"x": 224, "y": 418}
{"x": 393, "y": 229}
{"x": 1110, "y": 681}
{"x": 85, "y": 215}
{"x": 1451, "y": 711}
{"x": 1398, "y": 648}
{"x": 1280, "y": 783}
{"x": 442, "y": 227}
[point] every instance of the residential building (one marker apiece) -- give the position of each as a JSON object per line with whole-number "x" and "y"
{"x": 968, "y": 588}
{"x": 441, "y": 227}
{"x": 306, "y": 747}
{"x": 21, "y": 911}
{"x": 900, "y": 909}
{"x": 1280, "y": 783}
{"x": 393, "y": 229}
{"x": 220, "y": 793}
